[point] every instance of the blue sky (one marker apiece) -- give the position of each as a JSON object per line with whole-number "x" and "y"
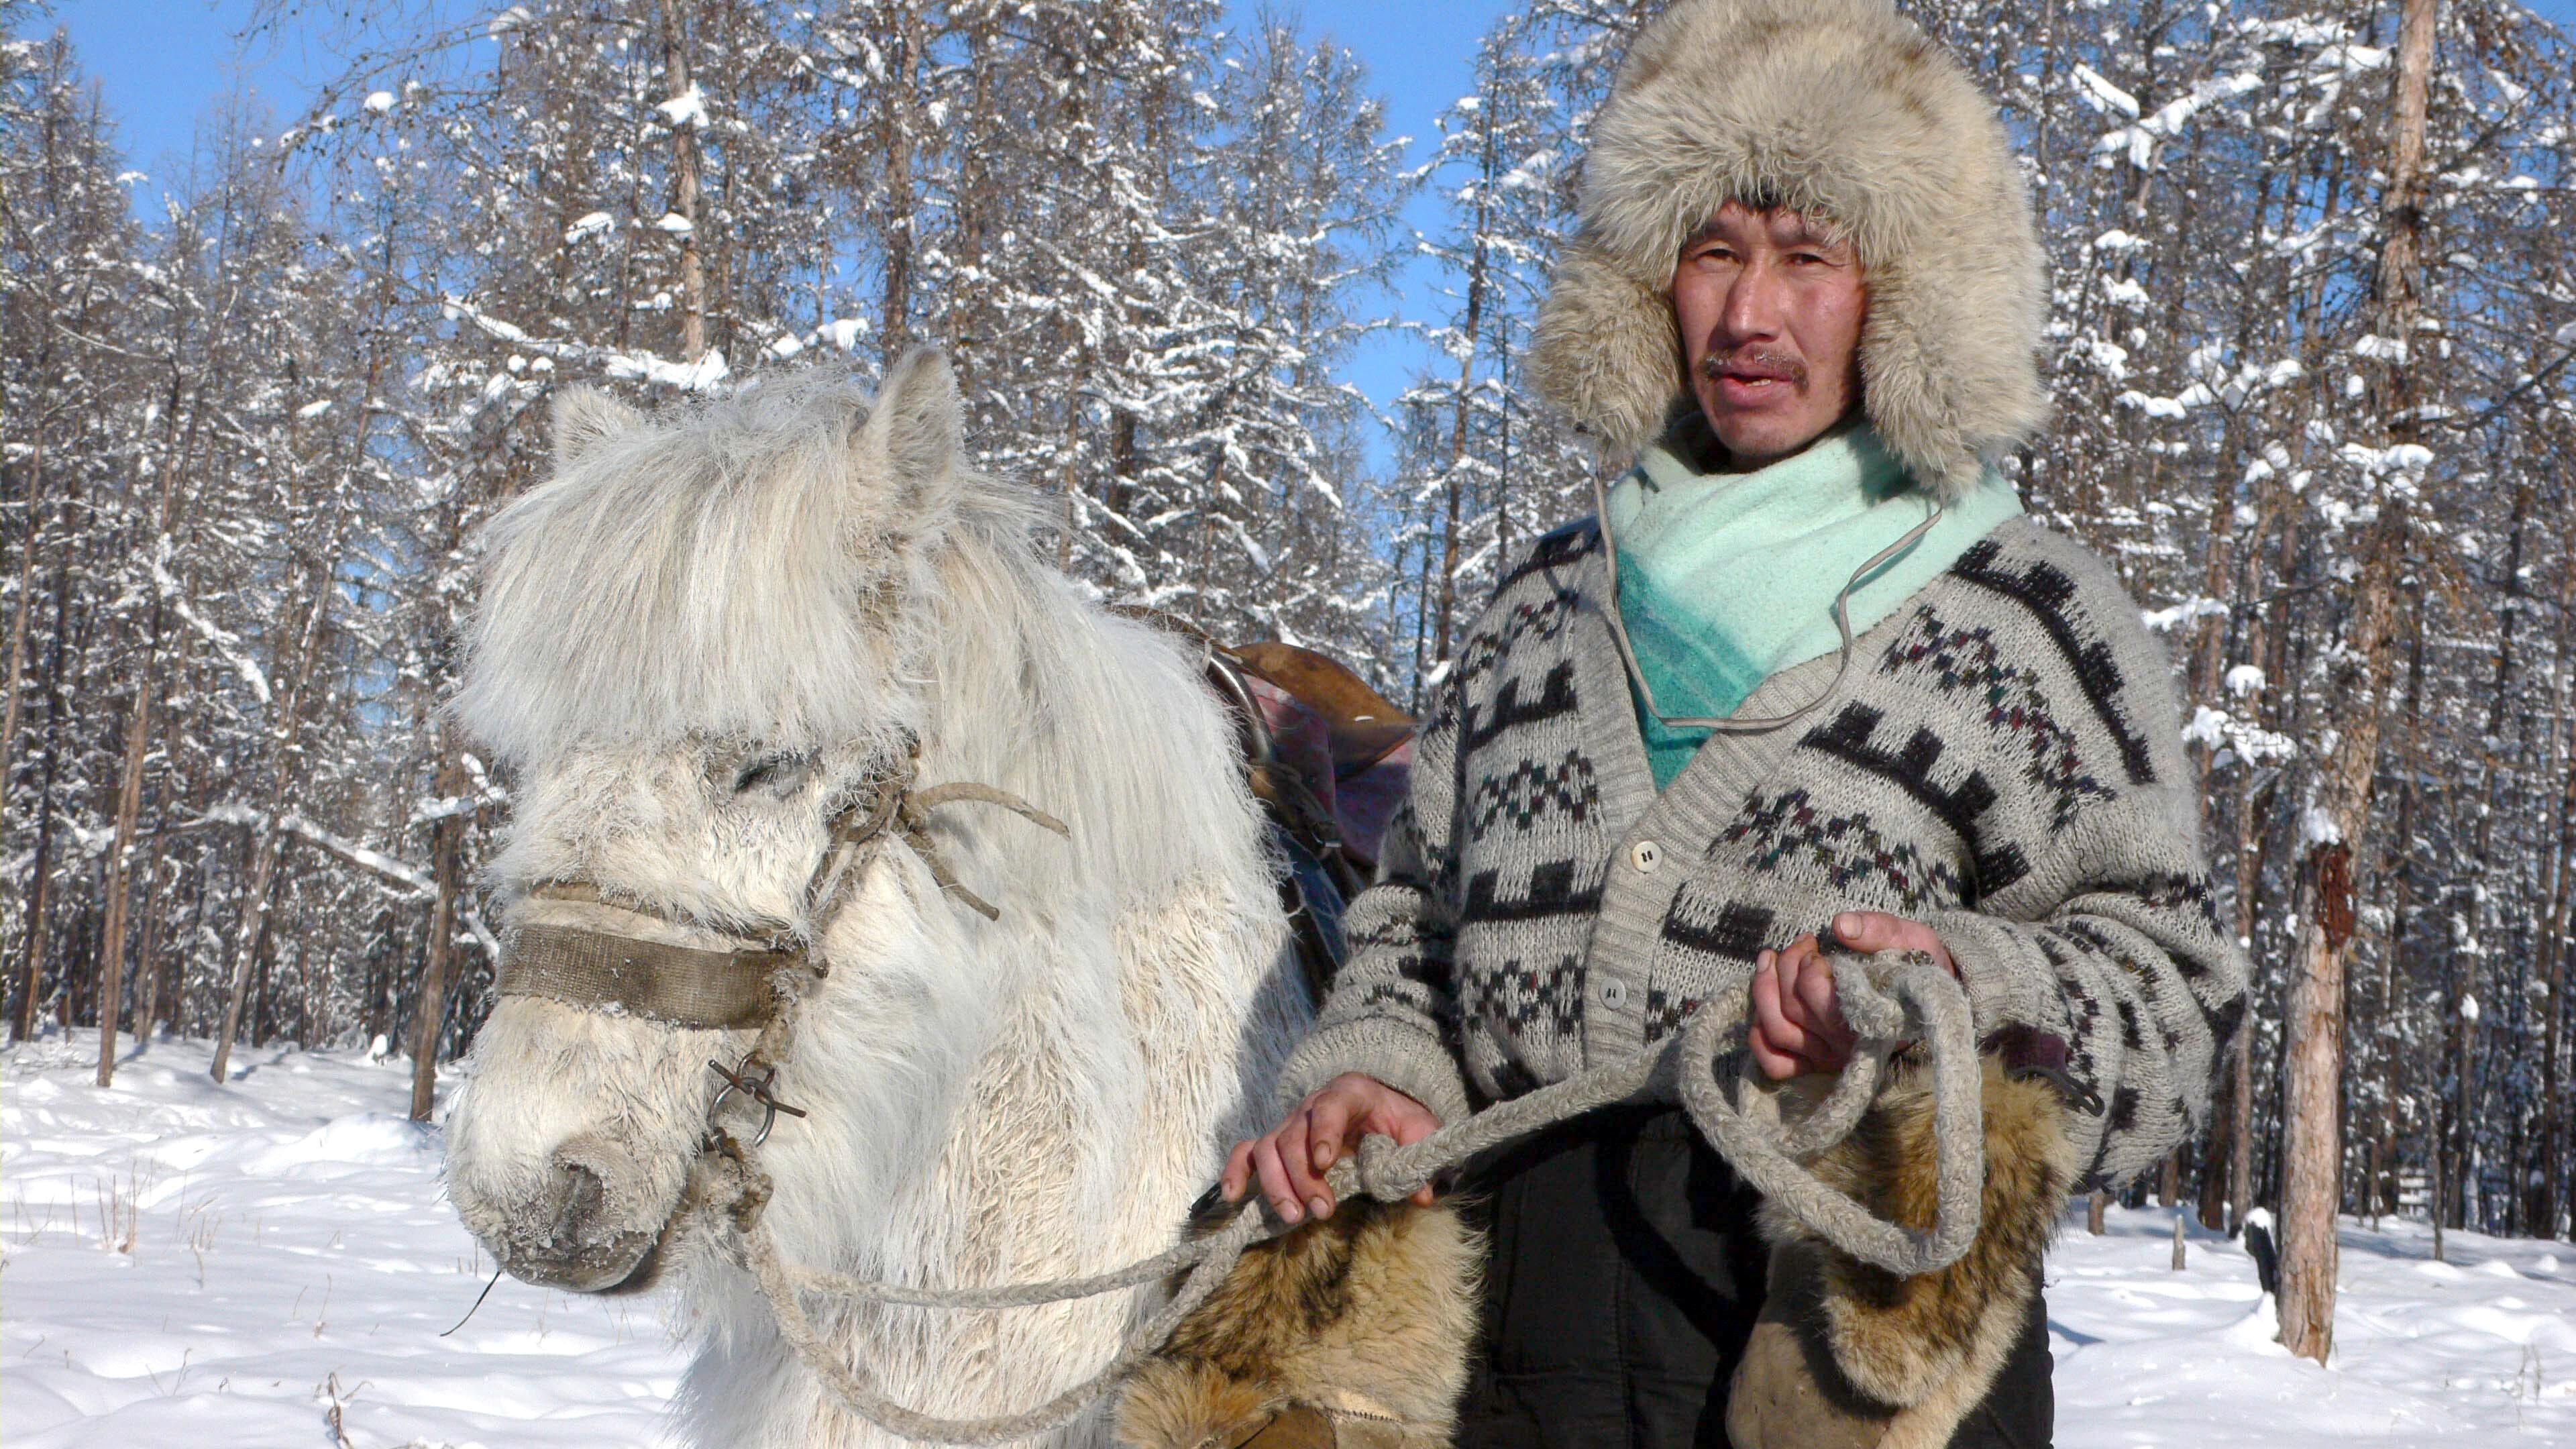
{"x": 163, "y": 62}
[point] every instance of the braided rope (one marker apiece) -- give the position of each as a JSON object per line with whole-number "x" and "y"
{"x": 1887, "y": 999}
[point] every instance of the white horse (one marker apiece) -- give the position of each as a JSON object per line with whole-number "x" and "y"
{"x": 694, "y": 644}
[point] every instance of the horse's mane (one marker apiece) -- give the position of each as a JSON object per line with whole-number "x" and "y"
{"x": 739, "y": 566}
{"x": 773, "y": 566}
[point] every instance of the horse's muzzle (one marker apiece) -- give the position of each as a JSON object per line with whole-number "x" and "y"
{"x": 586, "y": 1229}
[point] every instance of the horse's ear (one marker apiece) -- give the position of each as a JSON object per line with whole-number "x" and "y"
{"x": 585, "y": 415}
{"x": 919, "y": 420}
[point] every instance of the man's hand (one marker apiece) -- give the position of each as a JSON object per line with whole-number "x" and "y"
{"x": 1292, "y": 1157}
{"x": 1798, "y": 1026}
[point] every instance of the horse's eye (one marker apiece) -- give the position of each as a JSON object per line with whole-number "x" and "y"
{"x": 768, "y": 769}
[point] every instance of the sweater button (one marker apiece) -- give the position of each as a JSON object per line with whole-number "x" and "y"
{"x": 1614, "y": 994}
{"x": 1645, "y": 855}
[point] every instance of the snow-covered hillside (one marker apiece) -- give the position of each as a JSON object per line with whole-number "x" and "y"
{"x": 189, "y": 1265}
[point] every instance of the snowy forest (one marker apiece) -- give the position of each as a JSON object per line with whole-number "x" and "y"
{"x": 2313, "y": 356}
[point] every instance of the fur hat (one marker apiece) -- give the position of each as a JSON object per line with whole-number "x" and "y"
{"x": 1845, "y": 111}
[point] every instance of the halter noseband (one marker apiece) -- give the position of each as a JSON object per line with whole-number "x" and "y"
{"x": 645, "y": 965}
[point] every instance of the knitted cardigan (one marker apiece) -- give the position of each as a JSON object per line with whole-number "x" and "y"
{"x": 2001, "y": 762}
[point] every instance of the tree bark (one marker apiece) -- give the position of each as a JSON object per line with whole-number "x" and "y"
{"x": 2554, "y": 929}
{"x": 447, "y": 839}
{"x": 138, "y": 742}
{"x": 684, "y": 184}
{"x": 18, "y": 623}
{"x": 1478, "y": 282}
{"x": 129, "y": 809}
{"x": 2312, "y": 1153}
{"x": 40, "y": 898}
{"x": 895, "y": 309}
{"x": 270, "y": 845}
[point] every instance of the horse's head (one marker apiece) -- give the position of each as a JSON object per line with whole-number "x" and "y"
{"x": 697, "y": 645}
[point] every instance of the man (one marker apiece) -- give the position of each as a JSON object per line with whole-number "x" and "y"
{"x": 1806, "y": 294}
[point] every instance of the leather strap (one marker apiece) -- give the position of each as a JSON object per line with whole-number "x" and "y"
{"x": 682, "y": 985}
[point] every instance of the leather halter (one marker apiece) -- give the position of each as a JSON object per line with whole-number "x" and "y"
{"x": 638, "y": 969}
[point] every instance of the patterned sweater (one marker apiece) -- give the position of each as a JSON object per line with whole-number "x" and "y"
{"x": 2002, "y": 762}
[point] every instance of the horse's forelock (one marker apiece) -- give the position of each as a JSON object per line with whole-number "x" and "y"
{"x": 752, "y": 567}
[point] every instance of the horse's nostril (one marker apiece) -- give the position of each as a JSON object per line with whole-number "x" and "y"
{"x": 579, "y": 1197}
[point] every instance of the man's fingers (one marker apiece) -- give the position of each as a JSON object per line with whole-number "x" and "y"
{"x": 1778, "y": 1066}
{"x": 1824, "y": 1014}
{"x": 1274, "y": 1180}
{"x": 1238, "y": 1172}
{"x": 1775, "y": 1039}
{"x": 1400, "y": 1117}
{"x": 1297, "y": 1156}
{"x": 1879, "y": 931}
{"x": 1329, "y": 1129}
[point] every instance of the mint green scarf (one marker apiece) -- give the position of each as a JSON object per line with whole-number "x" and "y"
{"x": 1725, "y": 579}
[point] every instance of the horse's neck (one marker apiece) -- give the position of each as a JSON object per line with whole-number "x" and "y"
{"x": 1135, "y": 964}
{"x": 1090, "y": 718}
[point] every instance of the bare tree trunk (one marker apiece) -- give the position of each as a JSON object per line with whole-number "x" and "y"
{"x": 1478, "y": 283}
{"x": 268, "y": 849}
{"x": 40, "y": 898}
{"x": 447, "y": 839}
{"x": 138, "y": 742}
{"x": 18, "y": 621}
{"x": 129, "y": 809}
{"x": 2218, "y": 1144}
{"x": 270, "y": 845}
{"x": 147, "y": 956}
{"x": 2240, "y": 1067}
{"x": 895, "y": 311}
{"x": 2311, "y": 1191}
{"x": 684, "y": 181}
{"x": 2554, "y": 929}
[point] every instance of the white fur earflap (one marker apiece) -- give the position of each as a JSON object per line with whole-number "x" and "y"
{"x": 1840, "y": 109}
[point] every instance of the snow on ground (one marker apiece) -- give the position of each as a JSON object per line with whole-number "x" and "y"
{"x": 188, "y": 1265}
{"x": 194, "y": 1265}
{"x": 2480, "y": 1349}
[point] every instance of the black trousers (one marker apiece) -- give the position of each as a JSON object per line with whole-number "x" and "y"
{"x": 1625, "y": 1276}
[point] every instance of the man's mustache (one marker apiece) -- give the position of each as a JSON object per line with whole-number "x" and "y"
{"x": 1755, "y": 361}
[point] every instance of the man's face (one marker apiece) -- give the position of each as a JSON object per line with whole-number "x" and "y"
{"x": 1770, "y": 308}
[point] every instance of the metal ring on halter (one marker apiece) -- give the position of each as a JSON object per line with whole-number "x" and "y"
{"x": 757, "y": 1091}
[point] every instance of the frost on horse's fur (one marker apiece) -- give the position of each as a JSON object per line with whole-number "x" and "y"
{"x": 692, "y": 642}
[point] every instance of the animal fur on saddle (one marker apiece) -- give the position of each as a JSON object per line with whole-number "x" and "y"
{"x": 1351, "y": 1333}
{"x": 1846, "y": 1355}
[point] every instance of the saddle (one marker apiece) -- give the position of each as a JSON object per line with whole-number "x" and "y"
{"x": 1328, "y": 758}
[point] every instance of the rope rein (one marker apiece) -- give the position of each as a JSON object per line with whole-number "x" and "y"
{"x": 1888, "y": 1000}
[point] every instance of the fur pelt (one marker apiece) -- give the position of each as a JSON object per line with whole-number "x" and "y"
{"x": 1848, "y": 1353}
{"x": 1365, "y": 1317}
{"x": 1845, "y": 111}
